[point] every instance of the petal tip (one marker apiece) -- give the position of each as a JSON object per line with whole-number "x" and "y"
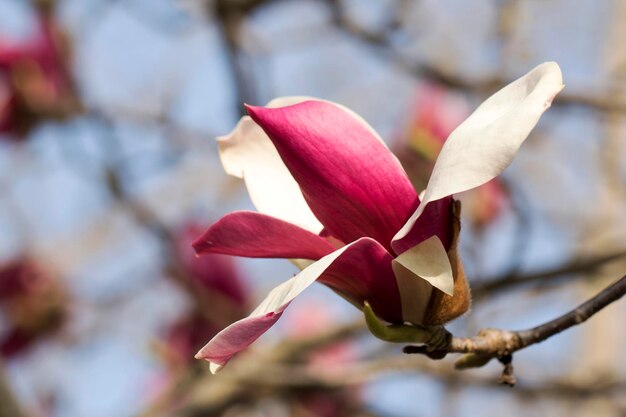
{"x": 201, "y": 245}
{"x": 214, "y": 367}
{"x": 554, "y": 71}
{"x": 257, "y": 114}
{"x": 253, "y": 110}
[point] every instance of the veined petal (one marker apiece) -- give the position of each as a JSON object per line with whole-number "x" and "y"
{"x": 485, "y": 144}
{"x": 248, "y": 153}
{"x": 242, "y": 333}
{"x": 256, "y": 235}
{"x": 354, "y": 185}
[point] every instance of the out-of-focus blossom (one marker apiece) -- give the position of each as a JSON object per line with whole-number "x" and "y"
{"x": 34, "y": 302}
{"x": 34, "y": 80}
{"x": 435, "y": 115}
{"x": 310, "y": 319}
{"x": 218, "y": 292}
{"x": 313, "y": 318}
{"x": 332, "y": 196}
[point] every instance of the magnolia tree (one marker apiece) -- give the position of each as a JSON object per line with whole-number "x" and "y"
{"x": 124, "y": 270}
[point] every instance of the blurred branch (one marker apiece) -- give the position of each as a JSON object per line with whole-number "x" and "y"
{"x": 382, "y": 45}
{"x": 285, "y": 377}
{"x": 280, "y": 367}
{"x": 9, "y": 407}
{"x": 231, "y": 15}
{"x": 211, "y": 394}
{"x": 211, "y": 305}
{"x": 508, "y": 282}
{"x": 364, "y": 372}
{"x": 277, "y": 368}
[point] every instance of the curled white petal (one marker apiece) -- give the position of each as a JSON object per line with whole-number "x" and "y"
{"x": 485, "y": 144}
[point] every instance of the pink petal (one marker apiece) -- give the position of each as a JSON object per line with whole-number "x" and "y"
{"x": 237, "y": 337}
{"x": 211, "y": 272}
{"x": 354, "y": 185}
{"x": 359, "y": 271}
{"x": 436, "y": 220}
{"x": 364, "y": 273}
{"x": 248, "y": 153}
{"x": 257, "y": 235}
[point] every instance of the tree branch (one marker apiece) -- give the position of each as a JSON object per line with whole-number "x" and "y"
{"x": 511, "y": 281}
{"x": 9, "y": 407}
{"x": 496, "y": 343}
{"x": 381, "y": 44}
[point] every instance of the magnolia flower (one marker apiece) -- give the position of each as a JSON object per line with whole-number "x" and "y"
{"x": 333, "y": 198}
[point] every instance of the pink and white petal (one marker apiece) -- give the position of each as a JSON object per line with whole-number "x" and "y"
{"x": 364, "y": 273}
{"x": 485, "y": 144}
{"x": 244, "y": 332}
{"x": 435, "y": 221}
{"x": 352, "y": 182}
{"x": 248, "y": 153}
{"x": 257, "y": 235}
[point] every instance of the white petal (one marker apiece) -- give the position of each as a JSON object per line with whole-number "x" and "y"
{"x": 485, "y": 144}
{"x": 301, "y": 263}
{"x": 429, "y": 261}
{"x": 248, "y": 153}
{"x": 414, "y": 293}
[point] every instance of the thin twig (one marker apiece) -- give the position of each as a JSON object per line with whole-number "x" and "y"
{"x": 512, "y": 281}
{"x": 299, "y": 376}
{"x": 383, "y": 46}
{"x": 9, "y": 406}
{"x": 231, "y": 15}
{"x": 577, "y": 316}
{"x": 213, "y": 394}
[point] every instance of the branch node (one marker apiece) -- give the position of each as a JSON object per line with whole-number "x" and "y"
{"x": 508, "y": 376}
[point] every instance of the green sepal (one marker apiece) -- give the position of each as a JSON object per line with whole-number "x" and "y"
{"x": 435, "y": 337}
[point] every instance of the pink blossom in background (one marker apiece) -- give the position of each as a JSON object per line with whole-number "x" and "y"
{"x": 34, "y": 80}
{"x": 34, "y": 302}
{"x": 434, "y": 116}
{"x": 215, "y": 273}
{"x": 218, "y": 291}
{"x": 333, "y": 199}
{"x": 314, "y": 318}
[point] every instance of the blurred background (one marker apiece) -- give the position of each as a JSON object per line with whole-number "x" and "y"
{"x": 109, "y": 168}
